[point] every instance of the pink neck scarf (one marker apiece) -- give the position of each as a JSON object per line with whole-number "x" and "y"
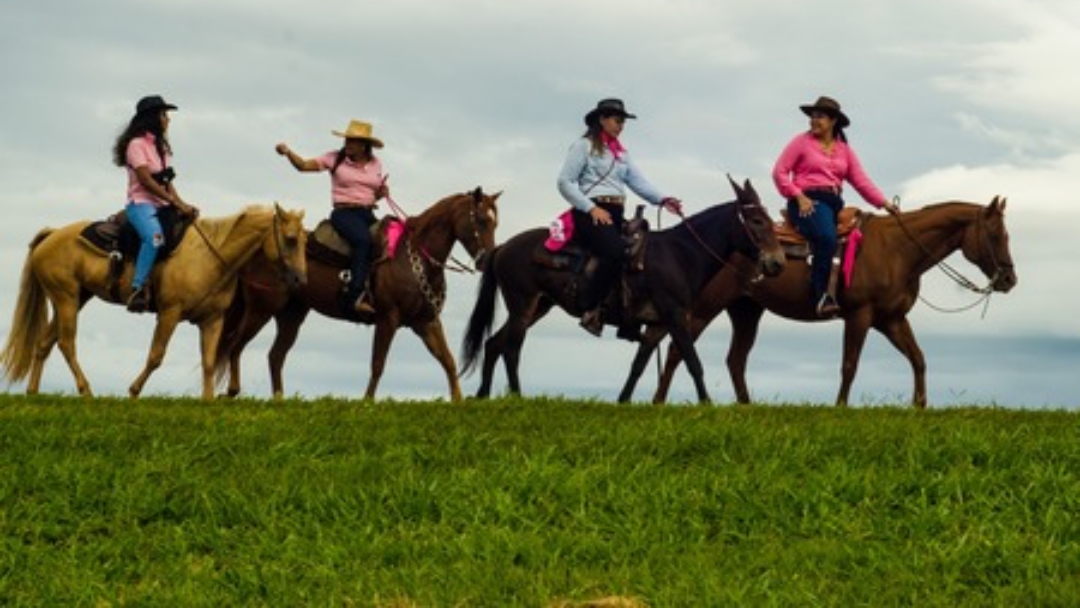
{"x": 613, "y": 144}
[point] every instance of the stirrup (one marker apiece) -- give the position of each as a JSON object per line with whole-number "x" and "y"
{"x": 827, "y": 306}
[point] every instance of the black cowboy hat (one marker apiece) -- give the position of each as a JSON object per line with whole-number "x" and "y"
{"x": 607, "y": 107}
{"x": 152, "y": 103}
{"x": 829, "y": 106}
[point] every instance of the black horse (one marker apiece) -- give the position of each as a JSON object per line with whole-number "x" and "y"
{"x": 678, "y": 262}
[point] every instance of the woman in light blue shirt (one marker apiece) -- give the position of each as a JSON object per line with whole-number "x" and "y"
{"x": 594, "y": 179}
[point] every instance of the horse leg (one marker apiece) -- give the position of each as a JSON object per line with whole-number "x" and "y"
{"x": 209, "y": 334}
{"x": 493, "y": 349}
{"x": 62, "y": 332}
{"x": 42, "y": 349}
{"x": 745, "y": 317}
{"x": 676, "y": 319}
{"x": 384, "y": 336}
{"x": 899, "y": 333}
{"x": 288, "y": 328}
{"x": 697, "y": 325}
{"x": 855, "y": 330}
{"x": 648, "y": 344}
{"x": 434, "y": 338}
{"x": 251, "y": 324}
{"x": 163, "y": 331}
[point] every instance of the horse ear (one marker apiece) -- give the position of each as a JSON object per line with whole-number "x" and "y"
{"x": 477, "y": 195}
{"x": 495, "y": 197}
{"x": 750, "y": 189}
{"x": 278, "y": 210}
{"x": 734, "y": 186}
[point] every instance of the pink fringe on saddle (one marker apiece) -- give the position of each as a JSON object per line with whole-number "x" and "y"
{"x": 561, "y": 230}
{"x": 854, "y": 237}
{"x": 394, "y": 229}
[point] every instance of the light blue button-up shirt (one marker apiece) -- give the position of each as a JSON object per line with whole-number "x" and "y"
{"x": 585, "y": 175}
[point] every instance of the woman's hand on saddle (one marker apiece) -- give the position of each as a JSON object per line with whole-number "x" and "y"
{"x": 806, "y": 206}
{"x": 673, "y": 205}
{"x": 600, "y": 216}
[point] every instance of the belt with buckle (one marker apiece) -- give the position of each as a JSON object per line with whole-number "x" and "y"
{"x": 609, "y": 200}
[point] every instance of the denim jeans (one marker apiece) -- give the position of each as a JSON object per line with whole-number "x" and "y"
{"x": 819, "y": 228}
{"x": 143, "y": 217}
{"x": 354, "y": 225}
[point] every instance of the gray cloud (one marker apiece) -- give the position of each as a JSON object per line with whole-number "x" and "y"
{"x": 958, "y": 100}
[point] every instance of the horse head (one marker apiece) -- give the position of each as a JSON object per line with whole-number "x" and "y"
{"x": 475, "y": 222}
{"x": 758, "y": 238}
{"x": 986, "y": 244}
{"x": 286, "y": 243}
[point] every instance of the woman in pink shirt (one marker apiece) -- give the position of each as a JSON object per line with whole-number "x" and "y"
{"x": 143, "y": 149}
{"x": 357, "y": 182}
{"x": 810, "y": 174}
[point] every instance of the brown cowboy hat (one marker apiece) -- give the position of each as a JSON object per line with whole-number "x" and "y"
{"x": 829, "y": 106}
{"x": 607, "y": 107}
{"x": 359, "y": 130}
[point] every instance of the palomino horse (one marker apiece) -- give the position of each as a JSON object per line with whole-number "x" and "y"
{"x": 409, "y": 290}
{"x": 678, "y": 263}
{"x": 895, "y": 252}
{"x": 196, "y": 283}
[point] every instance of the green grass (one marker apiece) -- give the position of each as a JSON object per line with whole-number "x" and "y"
{"x": 530, "y": 502}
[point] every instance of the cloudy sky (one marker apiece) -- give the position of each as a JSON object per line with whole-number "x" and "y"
{"x": 949, "y": 100}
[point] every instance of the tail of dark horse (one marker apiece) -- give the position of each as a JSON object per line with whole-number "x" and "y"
{"x": 482, "y": 317}
{"x": 230, "y": 334}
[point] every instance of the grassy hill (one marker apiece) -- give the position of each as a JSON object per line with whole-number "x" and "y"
{"x": 534, "y": 502}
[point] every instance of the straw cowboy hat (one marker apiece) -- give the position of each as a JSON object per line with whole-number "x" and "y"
{"x": 607, "y": 107}
{"x": 359, "y": 130}
{"x": 829, "y": 106}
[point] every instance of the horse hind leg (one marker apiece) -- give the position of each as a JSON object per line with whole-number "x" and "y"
{"x": 62, "y": 333}
{"x": 288, "y": 329}
{"x": 745, "y": 318}
{"x": 649, "y": 342}
{"x": 380, "y": 346}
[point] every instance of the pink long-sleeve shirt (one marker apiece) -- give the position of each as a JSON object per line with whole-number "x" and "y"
{"x": 803, "y": 165}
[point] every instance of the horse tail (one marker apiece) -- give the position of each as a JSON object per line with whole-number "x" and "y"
{"x": 230, "y": 334}
{"x": 482, "y": 317}
{"x": 29, "y": 322}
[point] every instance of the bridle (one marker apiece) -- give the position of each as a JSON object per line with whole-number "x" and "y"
{"x": 746, "y": 229}
{"x": 982, "y": 239}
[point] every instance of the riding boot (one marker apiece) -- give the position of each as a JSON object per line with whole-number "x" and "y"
{"x": 593, "y": 321}
{"x": 139, "y": 300}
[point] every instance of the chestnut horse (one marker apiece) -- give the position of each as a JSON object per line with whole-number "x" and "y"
{"x": 678, "y": 263}
{"x": 894, "y": 254}
{"x": 196, "y": 283}
{"x": 409, "y": 290}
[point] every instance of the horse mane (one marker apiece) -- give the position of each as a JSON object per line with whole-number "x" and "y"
{"x": 433, "y": 213}
{"x": 699, "y": 218}
{"x": 218, "y": 229}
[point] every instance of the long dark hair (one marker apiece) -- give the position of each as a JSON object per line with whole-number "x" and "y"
{"x": 369, "y": 152}
{"x": 592, "y": 133}
{"x": 141, "y": 124}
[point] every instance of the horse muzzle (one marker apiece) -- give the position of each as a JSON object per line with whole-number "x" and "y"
{"x": 1004, "y": 279}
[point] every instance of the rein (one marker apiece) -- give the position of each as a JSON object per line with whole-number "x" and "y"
{"x": 457, "y": 265}
{"x": 723, "y": 261}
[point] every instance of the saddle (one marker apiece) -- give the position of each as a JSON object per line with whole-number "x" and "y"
{"x": 116, "y": 238}
{"x": 795, "y": 244}
{"x": 327, "y": 246}
{"x": 575, "y": 258}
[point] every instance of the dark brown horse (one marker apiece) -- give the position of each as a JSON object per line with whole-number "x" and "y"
{"x": 196, "y": 283}
{"x": 678, "y": 263}
{"x": 409, "y": 290}
{"x": 894, "y": 254}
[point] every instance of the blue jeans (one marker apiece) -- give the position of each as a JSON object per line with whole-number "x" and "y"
{"x": 143, "y": 217}
{"x": 819, "y": 228}
{"x": 354, "y": 225}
